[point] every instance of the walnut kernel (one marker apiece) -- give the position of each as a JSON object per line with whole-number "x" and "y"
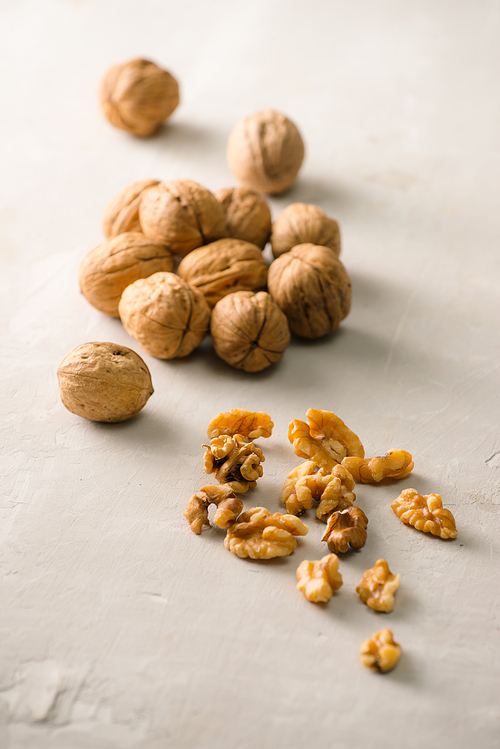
{"x": 122, "y": 212}
{"x": 250, "y": 424}
{"x": 425, "y": 512}
{"x": 325, "y": 439}
{"x": 395, "y": 464}
{"x": 344, "y": 529}
{"x": 259, "y": 535}
{"x": 378, "y": 586}
{"x": 221, "y": 495}
{"x": 301, "y": 223}
{"x": 247, "y": 215}
{"x": 318, "y": 579}
{"x": 306, "y": 484}
{"x": 234, "y": 461}
{"x": 379, "y": 652}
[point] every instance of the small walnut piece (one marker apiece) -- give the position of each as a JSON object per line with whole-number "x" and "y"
{"x": 344, "y": 529}
{"x": 425, "y": 512}
{"x": 104, "y": 382}
{"x": 228, "y": 507}
{"x": 259, "y": 535}
{"x": 138, "y": 96}
{"x": 380, "y": 652}
{"x": 301, "y": 223}
{"x": 249, "y": 424}
{"x": 265, "y": 152}
{"x": 395, "y": 464}
{"x": 247, "y": 215}
{"x": 122, "y": 212}
{"x": 378, "y": 586}
{"x": 305, "y": 484}
{"x": 318, "y": 580}
{"x": 325, "y": 439}
{"x": 235, "y": 461}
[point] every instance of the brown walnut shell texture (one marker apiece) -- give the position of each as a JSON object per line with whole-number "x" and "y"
{"x": 166, "y": 315}
{"x": 248, "y": 215}
{"x": 265, "y": 152}
{"x": 138, "y": 96}
{"x": 104, "y": 382}
{"x": 182, "y": 215}
{"x": 223, "y": 267}
{"x": 122, "y": 212}
{"x": 109, "y": 268}
{"x": 302, "y": 223}
{"x": 312, "y": 287}
{"x": 249, "y": 331}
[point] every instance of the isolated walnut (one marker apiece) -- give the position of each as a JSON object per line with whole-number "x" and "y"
{"x": 221, "y": 495}
{"x": 265, "y": 152}
{"x": 317, "y": 580}
{"x": 312, "y": 287}
{"x": 259, "y": 535}
{"x": 249, "y": 424}
{"x": 344, "y": 529}
{"x": 395, "y": 464}
{"x": 249, "y": 331}
{"x": 305, "y": 484}
{"x": 122, "y": 212}
{"x": 109, "y": 268}
{"x": 223, "y": 267}
{"x": 104, "y": 382}
{"x": 302, "y": 223}
{"x": 325, "y": 439}
{"x": 168, "y": 317}
{"x": 379, "y": 652}
{"x": 138, "y": 96}
{"x": 234, "y": 460}
{"x": 378, "y": 586}
{"x": 182, "y": 215}
{"x": 248, "y": 215}
{"x": 425, "y": 512}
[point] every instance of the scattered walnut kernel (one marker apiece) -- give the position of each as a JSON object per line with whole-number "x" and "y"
{"x": 247, "y": 215}
{"x": 305, "y": 483}
{"x": 235, "y": 461}
{"x": 425, "y": 512}
{"x": 395, "y": 464}
{"x": 221, "y": 495}
{"x": 344, "y": 529}
{"x": 259, "y": 535}
{"x": 250, "y": 424}
{"x": 122, "y": 212}
{"x": 301, "y": 223}
{"x": 380, "y": 652}
{"x": 318, "y": 579}
{"x": 325, "y": 439}
{"x": 378, "y": 586}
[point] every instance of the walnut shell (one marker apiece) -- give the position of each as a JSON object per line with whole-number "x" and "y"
{"x": 249, "y": 330}
{"x": 182, "y": 215}
{"x": 225, "y": 266}
{"x": 104, "y": 382}
{"x": 248, "y": 215}
{"x": 138, "y": 96}
{"x": 109, "y": 268}
{"x": 265, "y": 152}
{"x": 166, "y": 315}
{"x": 312, "y": 287}
{"x": 301, "y": 223}
{"x": 122, "y": 212}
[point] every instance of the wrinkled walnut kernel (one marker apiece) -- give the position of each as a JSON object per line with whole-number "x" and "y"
{"x": 379, "y": 652}
{"x": 344, "y": 529}
{"x": 228, "y": 507}
{"x": 250, "y": 424}
{"x": 306, "y": 484}
{"x": 425, "y": 512}
{"x": 259, "y": 535}
{"x": 378, "y": 586}
{"x": 235, "y": 461}
{"x": 395, "y": 464}
{"x": 318, "y": 579}
{"x": 325, "y": 439}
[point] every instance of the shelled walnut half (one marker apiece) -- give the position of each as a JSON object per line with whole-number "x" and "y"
{"x": 318, "y": 579}
{"x": 221, "y": 495}
{"x": 259, "y": 535}
{"x": 306, "y": 484}
{"x": 378, "y": 586}
{"x": 235, "y": 461}
{"x": 344, "y": 529}
{"x": 325, "y": 439}
{"x": 425, "y": 513}
{"x": 250, "y": 424}
{"x": 395, "y": 464}
{"x": 379, "y": 652}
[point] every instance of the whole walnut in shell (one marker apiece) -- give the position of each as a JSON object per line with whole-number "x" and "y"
{"x": 104, "y": 382}
{"x": 301, "y": 223}
{"x": 138, "y": 96}
{"x": 312, "y": 287}
{"x": 249, "y": 331}
{"x": 182, "y": 215}
{"x": 122, "y": 212}
{"x": 265, "y": 152}
{"x": 224, "y": 266}
{"x": 166, "y": 315}
{"x": 248, "y": 215}
{"x": 109, "y": 268}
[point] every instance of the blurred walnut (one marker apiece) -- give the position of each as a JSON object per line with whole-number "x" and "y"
{"x": 109, "y": 268}
{"x": 302, "y": 223}
{"x": 306, "y": 484}
{"x": 168, "y": 317}
{"x": 265, "y": 152}
{"x": 247, "y": 215}
{"x": 182, "y": 215}
{"x": 378, "y": 586}
{"x": 249, "y": 424}
{"x": 223, "y": 497}
{"x": 395, "y": 464}
{"x": 380, "y": 652}
{"x": 223, "y": 267}
{"x": 138, "y": 96}
{"x": 312, "y": 287}
{"x": 259, "y": 535}
{"x": 104, "y": 382}
{"x": 318, "y": 580}
{"x": 344, "y": 529}
{"x": 249, "y": 331}
{"x": 122, "y": 212}
{"x": 425, "y": 512}
{"x": 325, "y": 439}
{"x": 235, "y": 461}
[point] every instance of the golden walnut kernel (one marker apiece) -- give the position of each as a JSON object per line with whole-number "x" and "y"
{"x": 247, "y": 215}
{"x": 325, "y": 439}
{"x": 223, "y": 267}
{"x": 378, "y": 586}
{"x": 138, "y": 96}
{"x": 168, "y": 317}
{"x": 379, "y": 652}
{"x": 220, "y": 495}
{"x": 259, "y": 535}
{"x": 122, "y": 212}
{"x": 306, "y": 484}
{"x": 235, "y": 461}
{"x": 249, "y": 331}
{"x": 344, "y": 529}
{"x": 312, "y": 287}
{"x": 104, "y": 382}
{"x": 249, "y": 424}
{"x": 425, "y": 512}
{"x": 317, "y": 580}
{"x": 302, "y": 223}
{"x": 395, "y": 464}
{"x": 265, "y": 152}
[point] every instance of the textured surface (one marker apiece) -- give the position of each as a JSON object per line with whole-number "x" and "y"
{"x": 121, "y": 629}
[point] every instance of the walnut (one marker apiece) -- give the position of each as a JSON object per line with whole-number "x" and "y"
{"x": 312, "y": 287}
{"x": 395, "y": 464}
{"x": 166, "y": 315}
{"x": 109, "y": 268}
{"x": 104, "y": 382}
{"x": 122, "y": 212}
{"x": 223, "y": 267}
{"x": 318, "y": 580}
{"x": 265, "y": 152}
{"x": 325, "y": 439}
{"x": 259, "y": 535}
{"x": 247, "y": 215}
{"x": 380, "y": 652}
{"x": 344, "y": 529}
{"x": 235, "y": 461}
{"x": 306, "y": 483}
{"x": 249, "y": 424}
{"x": 301, "y": 223}
{"x": 378, "y": 586}
{"x": 249, "y": 331}
{"x": 228, "y": 507}
{"x": 425, "y": 512}
{"x": 182, "y": 215}
{"x": 138, "y": 96}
